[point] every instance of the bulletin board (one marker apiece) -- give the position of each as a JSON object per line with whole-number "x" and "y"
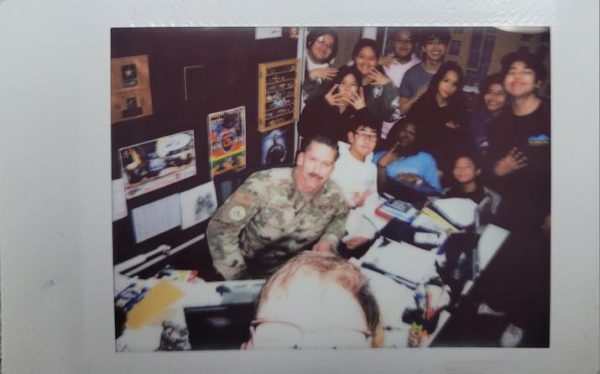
{"x": 278, "y": 94}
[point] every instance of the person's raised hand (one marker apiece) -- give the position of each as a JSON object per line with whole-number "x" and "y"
{"x": 513, "y": 161}
{"x": 323, "y": 73}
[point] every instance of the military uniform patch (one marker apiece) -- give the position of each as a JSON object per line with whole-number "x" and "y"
{"x": 237, "y": 213}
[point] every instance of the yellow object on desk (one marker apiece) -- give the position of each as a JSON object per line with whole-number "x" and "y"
{"x": 163, "y": 294}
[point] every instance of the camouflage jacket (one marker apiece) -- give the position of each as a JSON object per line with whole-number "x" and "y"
{"x": 267, "y": 220}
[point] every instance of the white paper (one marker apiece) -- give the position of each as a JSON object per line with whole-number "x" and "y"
{"x": 119, "y": 202}
{"x": 157, "y": 217}
{"x": 459, "y": 211}
{"x": 268, "y": 32}
{"x": 198, "y": 204}
{"x": 399, "y": 258}
{"x": 489, "y": 243}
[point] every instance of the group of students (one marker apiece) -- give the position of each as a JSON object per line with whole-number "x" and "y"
{"x": 404, "y": 121}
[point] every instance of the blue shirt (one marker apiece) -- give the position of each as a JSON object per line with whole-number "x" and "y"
{"x": 421, "y": 164}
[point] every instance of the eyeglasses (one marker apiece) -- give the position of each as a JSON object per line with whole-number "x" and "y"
{"x": 271, "y": 334}
{"x": 404, "y": 41}
{"x": 321, "y": 40}
{"x": 367, "y": 136}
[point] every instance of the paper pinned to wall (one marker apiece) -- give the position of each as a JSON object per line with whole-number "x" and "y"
{"x": 268, "y": 32}
{"x": 198, "y": 204}
{"x": 157, "y": 217}
{"x": 119, "y": 204}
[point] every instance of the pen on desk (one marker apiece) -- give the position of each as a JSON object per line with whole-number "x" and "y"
{"x": 406, "y": 282}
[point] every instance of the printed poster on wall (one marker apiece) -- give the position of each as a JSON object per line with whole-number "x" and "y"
{"x": 157, "y": 163}
{"x": 277, "y": 148}
{"x": 227, "y": 134}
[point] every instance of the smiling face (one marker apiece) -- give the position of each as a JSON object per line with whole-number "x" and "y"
{"x": 314, "y": 167}
{"x": 465, "y": 170}
{"x": 404, "y": 45}
{"x": 322, "y": 48}
{"x": 494, "y": 97}
{"x": 362, "y": 142}
{"x": 348, "y": 84}
{"x": 520, "y": 80}
{"x": 434, "y": 50}
{"x": 448, "y": 85}
{"x": 365, "y": 60}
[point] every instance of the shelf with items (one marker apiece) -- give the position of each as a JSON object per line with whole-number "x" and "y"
{"x": 278, "y": 94}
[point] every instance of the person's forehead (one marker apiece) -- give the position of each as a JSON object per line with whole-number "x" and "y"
{"x": 366, "y": 50}
{"x": 366, "y": 129}
{"x": 404, "y": 34}
{"x": 519, "y": 64}
{"x": 320, "y": 150}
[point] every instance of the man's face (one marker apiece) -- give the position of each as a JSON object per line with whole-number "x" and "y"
{"x": 407, "y": 136}
{"x": 314, "y": 167}
{"x": 520, "y": 80}
{"x": 404, "y": 44}
{"x": 434, "y": 50}
{"x": 362, "y": 142}
{"x": 465, "y": 170}
{"x": 322, "y": 48}
{"x": 494, "y": 97}
{"x": 309, "y": 312}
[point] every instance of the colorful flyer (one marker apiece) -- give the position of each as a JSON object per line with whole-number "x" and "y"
{"x": 227, "y": 134}
{"x": 157, "y": 163}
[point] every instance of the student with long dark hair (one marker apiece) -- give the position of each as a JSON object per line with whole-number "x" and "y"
{"x": 332, "y": 113}
{"x": 440, "y": 116}
{"x": 380, "y": 95}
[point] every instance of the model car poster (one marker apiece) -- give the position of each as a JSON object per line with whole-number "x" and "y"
{"x": 157, "y": 163}
{"x": 277, "y": 147}
{"x": 227, "y": 134}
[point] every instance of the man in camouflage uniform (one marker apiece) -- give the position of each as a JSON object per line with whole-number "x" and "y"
{"x": 278, "y": 213}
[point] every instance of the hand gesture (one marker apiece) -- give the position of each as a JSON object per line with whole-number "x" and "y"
{"x": 386, "y": 61}
{"x": 512, "y": 162}
{"x": 378, "y": 78}
{"x": 334, "y": 99}
{"x": 357, "y": 100}
{"x": 323, "y": 73}
{"x": 359, "y": 197}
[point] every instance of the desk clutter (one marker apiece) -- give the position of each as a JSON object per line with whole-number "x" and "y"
{"x": 419, "y": 267}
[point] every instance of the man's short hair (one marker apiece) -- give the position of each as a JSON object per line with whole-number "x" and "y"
{"x": 428, "y": 34}
{"x": 323, "y": 139}
{"x": 529, "y": 59}
{"x": 327, "y": 267}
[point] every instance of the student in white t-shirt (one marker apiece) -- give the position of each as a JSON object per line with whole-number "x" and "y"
{"x": 357, "y": 176}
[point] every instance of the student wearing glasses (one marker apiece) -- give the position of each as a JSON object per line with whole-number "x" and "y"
{"x": 314, "y": 301}
{"x": 357, "y": 177}
{"x": 321, "y": 48}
